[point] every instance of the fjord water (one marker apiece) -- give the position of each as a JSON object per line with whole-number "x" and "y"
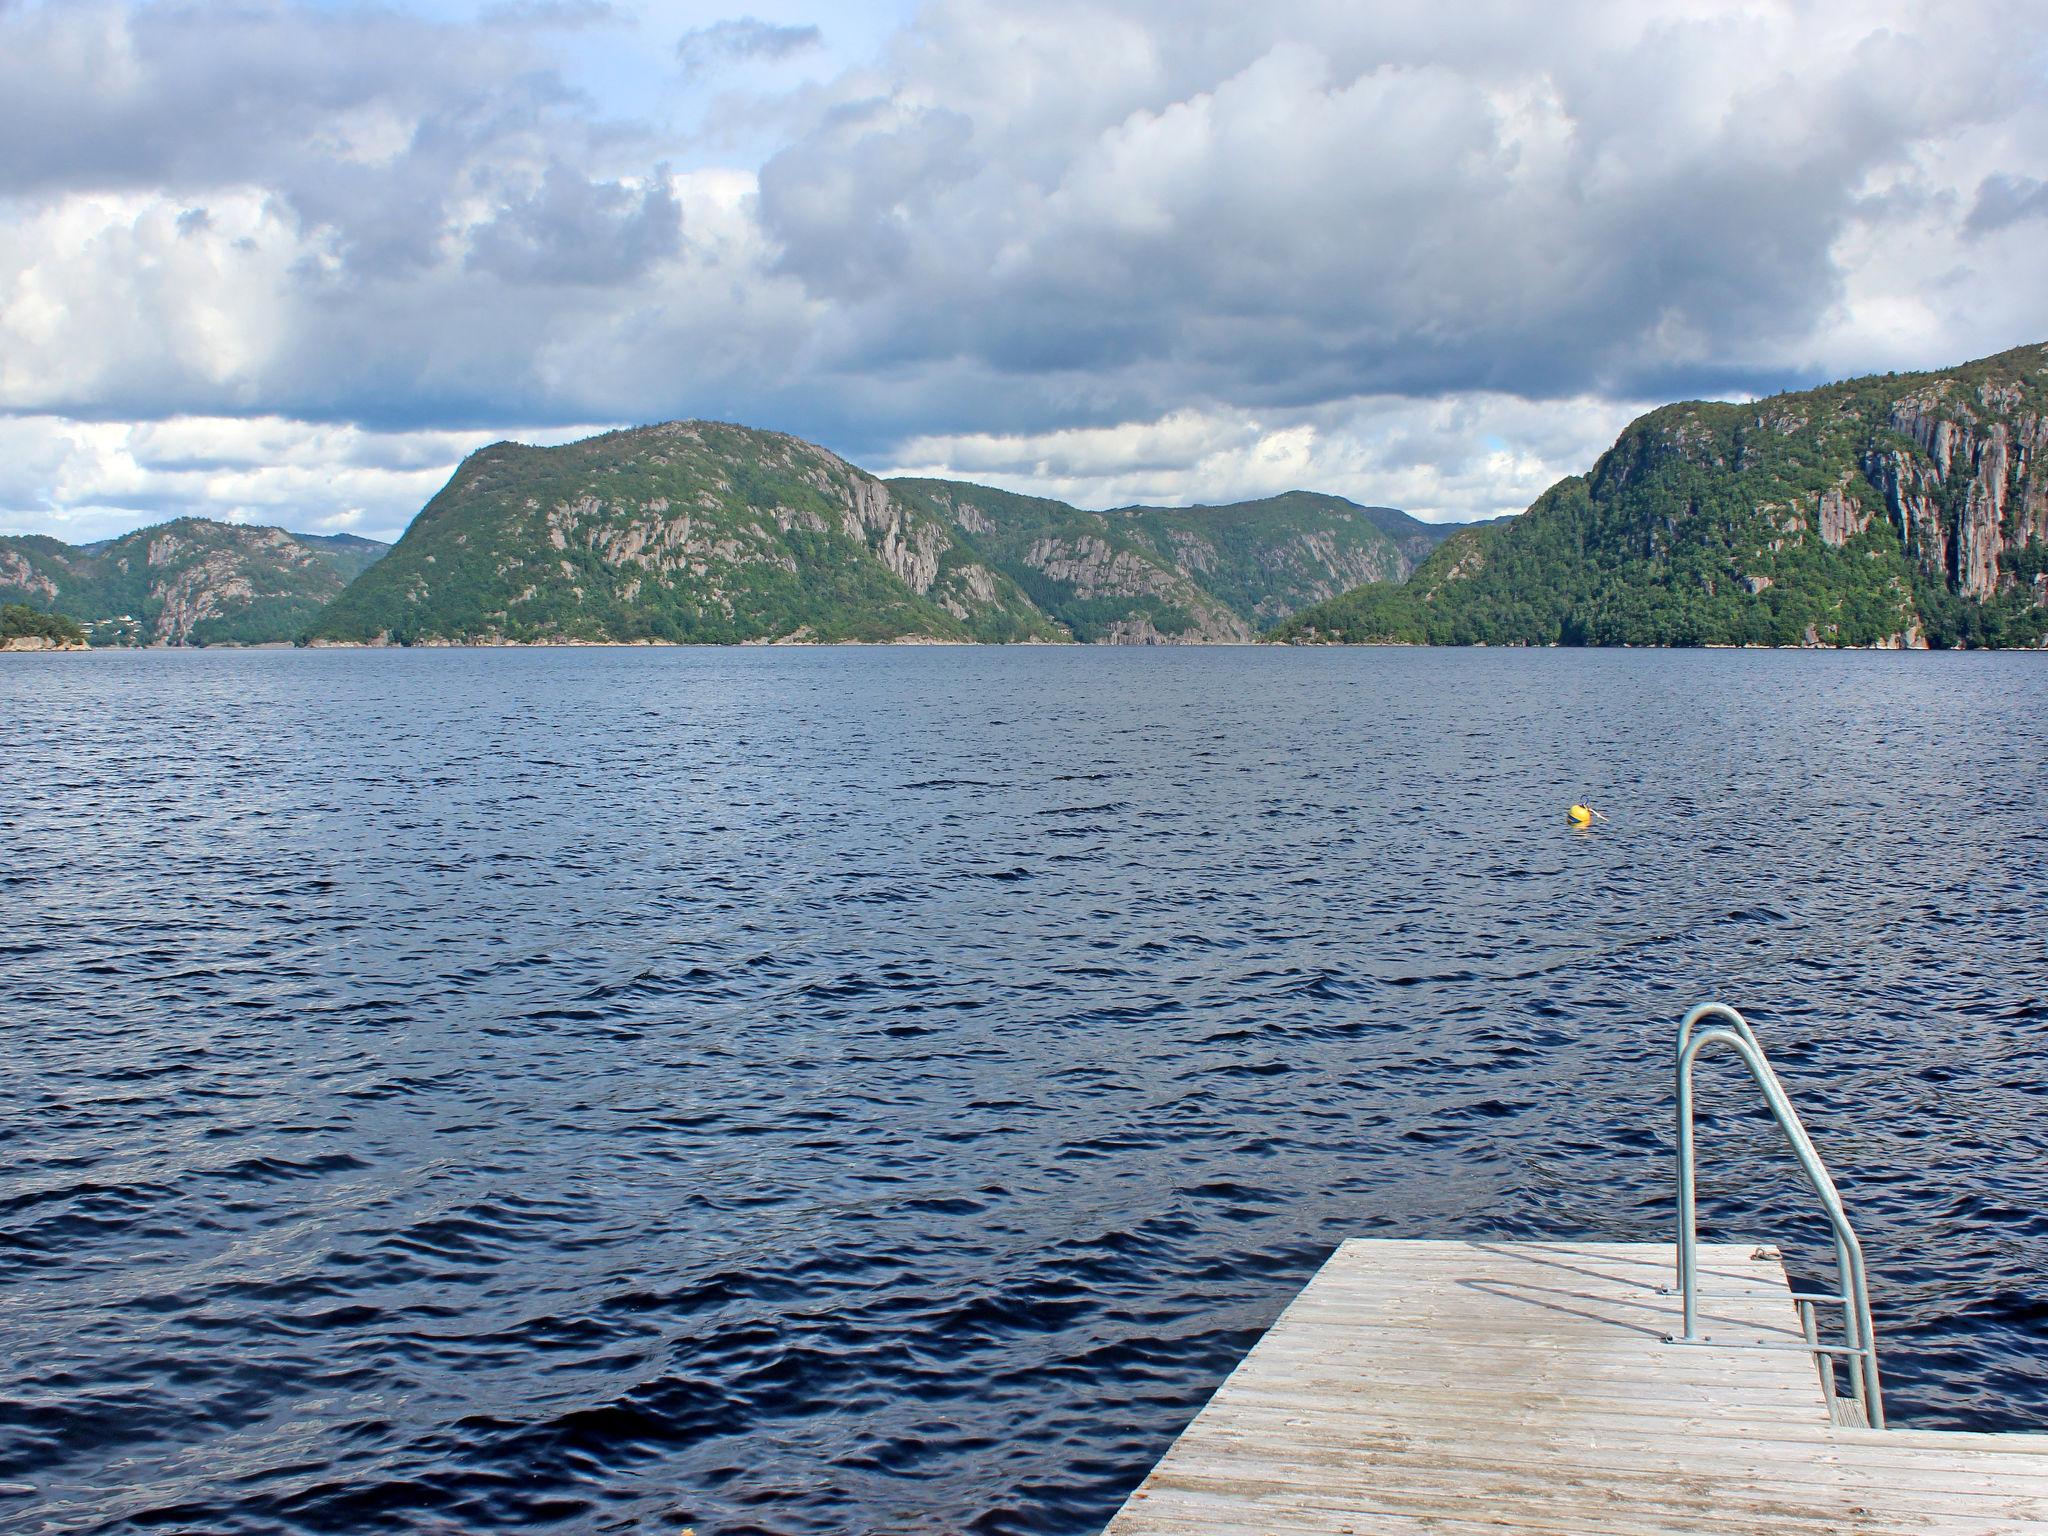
{"x": 886, "y": 1090}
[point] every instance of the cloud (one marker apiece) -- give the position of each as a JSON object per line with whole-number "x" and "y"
{"x": 573, "y": 231}
{"x": 1063, "y": 240}
{"x": 81, "y": 481}
{"x": 1453, "y": 460}
{"x": 743, "y": 39}
{"x": 2006, "y": 200}
{"x": 1277, "y": 213}
{"x": 97, "y": 95}
{"x": 848, "y": 204}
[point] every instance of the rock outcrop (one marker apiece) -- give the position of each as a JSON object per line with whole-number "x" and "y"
{"x": 1971, "y": 486}
{"x": 23, "y": 580}
{"x": 1840, "y": 517}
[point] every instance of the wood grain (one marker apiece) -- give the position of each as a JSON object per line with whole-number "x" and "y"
{"x": 1462, "y": 1388}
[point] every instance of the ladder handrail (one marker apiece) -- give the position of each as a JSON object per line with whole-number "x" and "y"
{"x": 1736, "y": 1034}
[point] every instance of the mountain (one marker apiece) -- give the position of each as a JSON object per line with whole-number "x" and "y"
{"x": 1096, "y": 577}
{"x": 690, "y": 531}
{"x": 707, "y": 532}
{"x": 1907, "y": 509}
{"x": 188, "y": 582}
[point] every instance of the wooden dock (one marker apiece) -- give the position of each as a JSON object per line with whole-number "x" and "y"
{"x": 1462, "y": 1388}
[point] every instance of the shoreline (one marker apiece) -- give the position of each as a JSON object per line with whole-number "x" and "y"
{"x": 1019, "y": 645}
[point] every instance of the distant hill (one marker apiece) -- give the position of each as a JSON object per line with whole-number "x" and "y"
{"x": 188, "y": 582}
{"x": 1416, "y": 538}
{"x": 713, "y": 533}
{"x": 1288, "y": 547}
{"x": 1907, "y": 509}
{"x": 349, "y": 553}
{"x": 1146, "y": 574}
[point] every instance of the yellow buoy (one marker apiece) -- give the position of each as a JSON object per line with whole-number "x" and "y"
{"x": 1580, "y": 815}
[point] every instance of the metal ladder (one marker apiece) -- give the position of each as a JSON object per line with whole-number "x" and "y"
{"x": 1853, "y": 1290}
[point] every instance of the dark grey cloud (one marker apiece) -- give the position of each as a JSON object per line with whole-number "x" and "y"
{"x": 1270, "y": 222}
{"x": 851, "y": 200}
{"x": 574, "y": 231}
{"x": 96, "y": 94}
{"x": 739, "y": 39}
{"x": 2004, "y": 200}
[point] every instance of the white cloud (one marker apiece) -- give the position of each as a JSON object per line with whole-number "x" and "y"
{"x": 1455, "y": 459}
{"x": 82, "y": 480}
{"x": 113, "y": 296}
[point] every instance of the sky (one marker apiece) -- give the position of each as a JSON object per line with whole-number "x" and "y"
{"x": 287, "y": 261}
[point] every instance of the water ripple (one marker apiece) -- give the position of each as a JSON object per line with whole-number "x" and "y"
{"x": 849, "y": 1091}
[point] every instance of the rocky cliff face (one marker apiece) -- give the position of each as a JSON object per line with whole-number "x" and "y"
{"x": 1894, "y": 511}
{"x": 1266, "y": 559}
{"x": 189, "y": 582}
{"x": 1092, "y": 571}
{"x": 1972, "y": 487}
{"x": 195, "y": 579}
{"x": 24, "y": 580}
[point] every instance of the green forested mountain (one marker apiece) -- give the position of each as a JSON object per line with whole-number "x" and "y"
{"x": 706, "y": 532}
{"x": 1906, "y": 509}
{"x": 690, "y": 531}
{"x": 188, "y": 582}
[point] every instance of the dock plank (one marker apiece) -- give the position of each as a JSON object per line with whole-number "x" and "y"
{"x": 1509, "y": 1387}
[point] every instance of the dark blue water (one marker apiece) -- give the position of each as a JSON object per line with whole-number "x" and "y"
{"x": 885, "y": 1090}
